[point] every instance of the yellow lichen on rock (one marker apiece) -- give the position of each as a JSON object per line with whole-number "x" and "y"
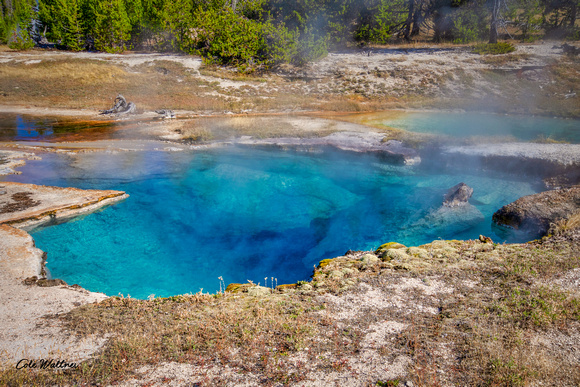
{"x": 323, "y": 263}
{"x": 389, "y": 245}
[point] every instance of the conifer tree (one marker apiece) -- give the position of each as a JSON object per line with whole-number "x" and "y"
{"x": 65, "y": 21}
{"x": 112, "y": 28}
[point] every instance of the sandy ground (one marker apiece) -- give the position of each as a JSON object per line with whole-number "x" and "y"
{"x": 27, "y": 331}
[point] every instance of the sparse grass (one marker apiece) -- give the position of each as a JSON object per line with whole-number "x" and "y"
{"x": 230, "y": 74}
{"x": 504, "y": 59}
{"x": 503, "y": 301}
{"x": 249, "y": 334}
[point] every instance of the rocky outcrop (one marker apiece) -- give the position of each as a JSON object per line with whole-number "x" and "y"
{"x": 458, "y": 195}
{"x": 536, "y": 213}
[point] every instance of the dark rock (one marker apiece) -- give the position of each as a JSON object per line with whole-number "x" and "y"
{"x": 536, "y": 213}
{"x": 565, "y": 180}
{"x": 165, "y": 113}
{"x": 485, "y": 239}
{"x": 49, "y": 282}
{"x": 458, "y": 195}
{"x": 570, "y": 50}
{"x": 30, "y": 280}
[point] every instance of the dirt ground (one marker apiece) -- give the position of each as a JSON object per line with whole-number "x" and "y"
{"x": 535, "y": 79}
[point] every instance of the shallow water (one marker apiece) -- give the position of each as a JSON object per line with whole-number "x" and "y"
{"x": 246, "y": 214}
{"x": 472, "y": 124}
{"x": 17, "y": 127}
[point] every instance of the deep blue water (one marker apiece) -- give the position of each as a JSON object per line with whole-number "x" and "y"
{"x": 462, "y": 125}
{"x": 247, "y": 214}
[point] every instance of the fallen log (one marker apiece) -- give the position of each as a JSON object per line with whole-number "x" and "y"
{"x": 121, "y": 107}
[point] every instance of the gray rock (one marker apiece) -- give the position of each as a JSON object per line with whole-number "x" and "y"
{"x": 448, "y": 220}
{"x": 458, "y": 195}
{"x": 259, "y": 291}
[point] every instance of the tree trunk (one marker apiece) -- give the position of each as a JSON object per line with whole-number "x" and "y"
{"x": 438, "y": 27}
{"x": 494, "y": 21}
{"x": 417, "y": 20}
{"x": 407, "y": 29}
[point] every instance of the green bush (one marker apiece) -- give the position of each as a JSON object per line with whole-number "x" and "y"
{"x": 493, "y": 48}
{"x": 467, "y": 26}
{"x": 310, "y": 47}
{"x": 224, "y": 37}
{"x": 20, "y": 40}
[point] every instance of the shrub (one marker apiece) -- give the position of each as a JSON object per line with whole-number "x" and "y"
{"x": 494, "y": 48}
{"x": 20, "y": 40}
{"x": 310, "y": 47}
{"x": 223, "y": 37}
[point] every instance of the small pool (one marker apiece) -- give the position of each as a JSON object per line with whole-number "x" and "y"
{"x": 473, "y": 124}
{"x": 246, "y": 214}
{"x": 17, "y": 127}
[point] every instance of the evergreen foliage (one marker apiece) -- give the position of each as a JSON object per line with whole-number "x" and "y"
{"x": 255, "y": 34}
{"x": 15, "y": 23}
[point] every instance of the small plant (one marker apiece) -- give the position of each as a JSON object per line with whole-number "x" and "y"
{"x": 493, "y": 48}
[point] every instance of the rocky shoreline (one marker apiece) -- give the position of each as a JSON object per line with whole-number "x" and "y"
{"x": 26, "y": 333}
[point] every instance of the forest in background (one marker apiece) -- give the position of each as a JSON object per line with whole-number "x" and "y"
{"x": 253, "y": 34}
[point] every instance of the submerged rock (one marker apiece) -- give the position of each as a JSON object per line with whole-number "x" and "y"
{"x": 393, "y": 151}
{"x": 458, "y": 195}
{"x": 536, "y": 213}
{"x": 444, "y": 220}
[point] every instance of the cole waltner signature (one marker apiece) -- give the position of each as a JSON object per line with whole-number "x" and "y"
{"x": 44, "y": 364}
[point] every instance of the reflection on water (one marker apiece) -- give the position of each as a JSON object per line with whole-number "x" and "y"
{"x": 247, "y": 214}
{"x": 15, "y": 127}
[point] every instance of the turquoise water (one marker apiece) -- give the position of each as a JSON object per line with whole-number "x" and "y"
{"x": 247, "y": 214}
{"x": 462, "y": 125}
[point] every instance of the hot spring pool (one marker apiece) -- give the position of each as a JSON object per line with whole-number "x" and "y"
{"x": 472, "y": 124}
{"x": 247, "y": 214}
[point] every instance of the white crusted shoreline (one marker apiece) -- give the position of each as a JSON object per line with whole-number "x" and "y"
{"x": 27, "y": 333}
{"x": 563, "y": 154}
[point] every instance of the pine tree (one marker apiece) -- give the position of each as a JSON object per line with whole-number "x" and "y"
{"x": 63, "y": 20}
{"x": 112, "y": 28}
